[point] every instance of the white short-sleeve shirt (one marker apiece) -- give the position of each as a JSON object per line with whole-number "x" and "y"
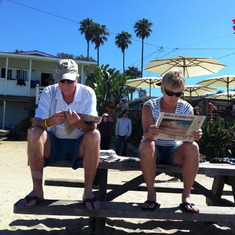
{"x": 51, "y": 101}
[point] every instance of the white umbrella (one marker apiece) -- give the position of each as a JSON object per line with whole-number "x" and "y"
{"x": 146, "y": 82}
{"x": 197, "y": 90}
{"x": 190, "y": 66}
{"x": 223, "y": 95}
{"x": 221, "y": 81}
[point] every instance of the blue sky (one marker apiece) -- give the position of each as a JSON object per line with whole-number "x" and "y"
{"x": 197, "y": 28}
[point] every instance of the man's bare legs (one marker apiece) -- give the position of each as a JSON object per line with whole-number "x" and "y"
{"x": 38, "y": 148}
{"x": 90, "y": 152}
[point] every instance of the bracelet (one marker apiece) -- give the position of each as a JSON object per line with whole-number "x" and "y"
{"x": 81, "y": 129}
{"x": 45, "y": 123}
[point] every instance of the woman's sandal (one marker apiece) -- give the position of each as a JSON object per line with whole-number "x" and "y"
{"x": 151, "y": 205}
{"x": 191, "y": 205}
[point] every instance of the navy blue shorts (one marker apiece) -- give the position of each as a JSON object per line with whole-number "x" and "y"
{"x": 64, "y": 149}
{"x": 165, "y": 154}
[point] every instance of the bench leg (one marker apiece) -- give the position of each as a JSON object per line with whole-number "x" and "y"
{"x": 217, "y": 189}
{"x": 233, "y": 187}
{"x": 96, "y": 226}
{"x": 103, "y": 183}
{"x": 231, "y": 181}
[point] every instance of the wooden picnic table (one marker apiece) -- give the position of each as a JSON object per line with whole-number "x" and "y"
{"x": 222, "y": 173}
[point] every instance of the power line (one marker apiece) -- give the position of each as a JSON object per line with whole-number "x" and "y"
{"x": 161, "y": 48}
{"x": 58, "y": 16}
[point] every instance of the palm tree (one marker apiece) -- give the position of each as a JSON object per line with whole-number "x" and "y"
{"x": 143, "y": 29}
{"x": 86, "y": 28}
{"x": 122, "y": 41}
{"x": 133, "y": 72}
{"x": 99, "y": 33}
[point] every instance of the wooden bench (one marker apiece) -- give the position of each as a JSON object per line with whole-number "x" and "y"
{"x": 129, "y": 210}
{"x": 221, "y": 172}
{"x": 126, "y": 210}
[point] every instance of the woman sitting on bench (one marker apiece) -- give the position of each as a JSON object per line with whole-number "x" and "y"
{"x": 158, "y": 151}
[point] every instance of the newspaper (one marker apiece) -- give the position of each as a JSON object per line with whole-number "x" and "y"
{"x": 178, "y": 127}
{"x": 86, "y": 118}
{"x": 90, "y": 118}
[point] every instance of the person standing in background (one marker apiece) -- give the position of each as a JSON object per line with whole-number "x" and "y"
{"x": 124, "y": 105}
{"x": 112, "y": 115}
{"x": 211, "y": 109}
{"x": 123, "y": 131}
{"x": 106, "y": 128}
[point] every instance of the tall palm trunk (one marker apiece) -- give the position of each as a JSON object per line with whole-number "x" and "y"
{"x": 142, "y": 58}
{"x": 123, "y": 61}
{"x": 88, "y": 49}
{"x": 98, "y": 56}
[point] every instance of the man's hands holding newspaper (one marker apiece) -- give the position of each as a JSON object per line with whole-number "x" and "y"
{"x": 70, "y": 116}
{"x": 73, "y": 118}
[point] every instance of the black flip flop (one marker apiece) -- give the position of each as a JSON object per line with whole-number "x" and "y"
{"x": 29, "y": 198}
{"x": 183, "y": 206}
{"x": 156, "y": 205}
{"x": 91, "y": 201}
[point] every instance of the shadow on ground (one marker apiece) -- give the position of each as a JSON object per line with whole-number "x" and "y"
{"x": 114, "y": 227}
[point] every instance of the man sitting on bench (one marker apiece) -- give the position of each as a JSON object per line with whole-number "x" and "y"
{"x": 59, "y": 133}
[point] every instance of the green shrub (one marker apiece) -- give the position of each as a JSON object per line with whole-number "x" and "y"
{"x": 24, "y": 125}
{"x": 137, "y": 130}
{"x": 218, "y": 138}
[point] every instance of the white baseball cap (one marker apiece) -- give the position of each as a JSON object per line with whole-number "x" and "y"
{"x": 66, "y": 69}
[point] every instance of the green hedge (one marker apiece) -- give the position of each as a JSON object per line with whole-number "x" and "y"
{"x": 218, "y": 138}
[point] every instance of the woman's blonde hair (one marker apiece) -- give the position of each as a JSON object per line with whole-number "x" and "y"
{"x": 173, "y": 80}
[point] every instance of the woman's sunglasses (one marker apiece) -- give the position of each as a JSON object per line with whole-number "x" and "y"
{"x": 66, "y": 80}
{"x": 171, "y": 93}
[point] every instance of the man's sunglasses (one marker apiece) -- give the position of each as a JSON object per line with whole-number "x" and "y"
{"x": 66, "y": 80}
{"x": 171, "y": 93}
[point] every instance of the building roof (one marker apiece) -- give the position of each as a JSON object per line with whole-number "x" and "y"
{"x": 38, "y": 55}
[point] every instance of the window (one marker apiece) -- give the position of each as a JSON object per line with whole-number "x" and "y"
{"x": 9, "y": 73}
{"x": 21, "y": 74}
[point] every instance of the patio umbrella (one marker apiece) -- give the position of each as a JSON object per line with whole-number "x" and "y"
{"x": 190, "y": 66}
{"x": 221, "y": 81}
{"x": 146, "y": 82}
{"x": 197, "y": 90}
{"x": 223, "y": 95}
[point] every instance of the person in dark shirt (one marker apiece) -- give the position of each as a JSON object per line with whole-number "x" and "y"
{"x": 106, "y": 128}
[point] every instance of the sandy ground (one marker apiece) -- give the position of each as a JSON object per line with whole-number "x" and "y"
{"x": 15, "y": 183}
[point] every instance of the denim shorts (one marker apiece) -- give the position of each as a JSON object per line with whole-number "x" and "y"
{"x": 165, "y": 154}
{"x": 64, "y": 149}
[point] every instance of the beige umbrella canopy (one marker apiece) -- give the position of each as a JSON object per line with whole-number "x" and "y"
{"x": 197, "y": 90}
{"x": 221, "y": 81}
{"x": 223, "y": 95}
{"x": 190, "y": 66}
{"x": 146, "y": 82}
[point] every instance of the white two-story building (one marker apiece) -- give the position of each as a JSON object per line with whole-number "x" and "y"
{"x": 19, "y": 75}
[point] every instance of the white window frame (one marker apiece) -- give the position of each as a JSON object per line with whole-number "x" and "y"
{"x": 9, "y": 73}
{"x": 21, "y": 74}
